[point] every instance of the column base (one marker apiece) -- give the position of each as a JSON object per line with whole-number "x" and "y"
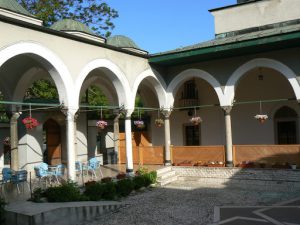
{"x": 168, "y": 163}
{"x": 129, "y": 170}
{"x": 229, "y": 164}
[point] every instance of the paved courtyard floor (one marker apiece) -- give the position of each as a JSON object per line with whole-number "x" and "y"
{"x": 187, "y": 202}
{"x": 195, "y": 203}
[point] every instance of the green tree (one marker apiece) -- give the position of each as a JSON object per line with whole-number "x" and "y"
{"x": 94, "y": 96}
{"x": 97, "y": 15}
{"x": 3, "y": 115}
{"x": 43, "y": 89}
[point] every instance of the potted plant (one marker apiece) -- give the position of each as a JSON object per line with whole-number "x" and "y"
{"x": 101, "y": 124}
{"x": 247, "y": 164}
{"x": 159, "y": 122}
{"x": 294, "y": 166}
{"x": 261, "y": 118}
{"x": 30, "y": 123}
{"x": 196, "y": 120}
{"x": 121, "y": 176}
{"x": 185, "y": 163}
{"x": 139, "y": 124}
{"x": 106, "y": 179}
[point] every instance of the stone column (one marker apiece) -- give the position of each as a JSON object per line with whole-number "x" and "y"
{"x": 70, "y": 135}
{"x": 14, "y": 141}
{"x": 75, "y": 135}
{"x": 128, "y": 141}
{"x": 167, "y": 114}
{"x": 228, "y": 135}
{"x": 116, "y": 137}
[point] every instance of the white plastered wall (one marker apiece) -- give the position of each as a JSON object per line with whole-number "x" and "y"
{"x": 256, "y": 14}
{"x": 81, "y": 138}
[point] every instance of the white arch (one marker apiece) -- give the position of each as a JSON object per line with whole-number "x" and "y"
{"x": 158, "y": 84}
{"x": 27, "y": 78}
{"x": 105, "y": 87}
{"x": 260, "y": 62}
{"x": 194, "y": 73}
{"x": 55, "y": 66}
{"x": 120, "y": 81}
{"x": 278, "y": 106}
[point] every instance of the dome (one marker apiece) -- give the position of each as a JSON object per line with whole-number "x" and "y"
{"x": 14, "y": 6}
{"x": 121, "y": 41}
{"x": 71, "y": 25}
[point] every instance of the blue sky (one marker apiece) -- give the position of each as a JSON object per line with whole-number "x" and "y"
{"x": 161, "y": 25}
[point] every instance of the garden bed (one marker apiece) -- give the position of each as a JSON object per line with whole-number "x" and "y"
{"x": 106, "y": 189}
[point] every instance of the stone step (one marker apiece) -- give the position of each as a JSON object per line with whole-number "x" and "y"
{"x": 166, "y": 181}
{"x": 166, "y": 175}
{"x": 29, "y": 213}
{"x": 163, "y": 170}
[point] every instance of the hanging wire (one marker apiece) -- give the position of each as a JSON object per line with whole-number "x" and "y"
{"x": 260, "y": 108}
{"x": 139, "y": 114}
{"x": 36, "y": 109}
{"x": 101, "y": 113}
{"x": 30, "y": 110}
{"x": 95, "y": 108}
{"x": 195, "y": 112}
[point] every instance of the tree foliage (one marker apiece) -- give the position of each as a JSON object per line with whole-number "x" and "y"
{"x": 94, "y": 96}
{"x": 97, "y": 15}
{"x": 3, "y": 115}
{"x": 42, "y": 89}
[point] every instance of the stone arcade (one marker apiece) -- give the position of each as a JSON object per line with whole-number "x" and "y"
{"x": 250, "y": 61}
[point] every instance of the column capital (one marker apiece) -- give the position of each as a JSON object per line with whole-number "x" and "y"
{"x": 71, "y": 114}
{"x": 127, "y": 113}
{"x": 227, "y": 109}
{"x": 166, "y": 113}
{"x": 76, "y": 115}
{"x": 15, "y": 116}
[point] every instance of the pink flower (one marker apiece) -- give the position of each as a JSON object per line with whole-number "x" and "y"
{"x": 101, "y": 124}
{"x": 30, "y": 123}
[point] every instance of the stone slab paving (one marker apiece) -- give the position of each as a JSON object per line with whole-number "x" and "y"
{"x": 190, "y": 203}
{"x": 285, "y": 213}
{"x": 31, "y": 208}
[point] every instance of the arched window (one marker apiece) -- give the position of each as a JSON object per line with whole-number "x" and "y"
{"x": 286, "y": 126}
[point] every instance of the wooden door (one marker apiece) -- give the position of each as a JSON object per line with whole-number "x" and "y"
{"x": 53, "y": 142}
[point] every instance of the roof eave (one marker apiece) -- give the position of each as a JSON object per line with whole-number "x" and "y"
{"x": 236, "y": 46}
{"x": 66, "y": 35}
{"x": 235, "y": 5}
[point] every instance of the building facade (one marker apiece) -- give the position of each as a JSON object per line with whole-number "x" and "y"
{"x": 251, "y": 68}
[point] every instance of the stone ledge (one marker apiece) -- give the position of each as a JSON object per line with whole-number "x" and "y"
{"x": 285, "y": 175}
{"x": 29, "y": 213}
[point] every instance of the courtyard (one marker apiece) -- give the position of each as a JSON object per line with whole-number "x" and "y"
{"x": 184, "y": 202}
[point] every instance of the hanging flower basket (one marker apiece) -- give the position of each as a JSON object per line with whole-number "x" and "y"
{"x": 30, "y": 123}
{"x": 196, "y": 120}
{"x": 6, "y": 141}
{"x": 159, "y": 122}
{"x": 139, "y": 124}
{"x": 101, "y": 124}
{"x": 261, "y": 118}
